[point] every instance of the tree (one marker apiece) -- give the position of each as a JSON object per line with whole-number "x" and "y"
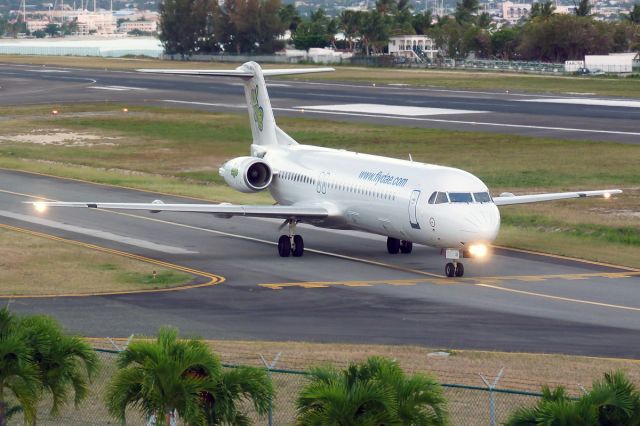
{"x": 634, "y": 14}
{"x": 289, "y": 17}
{"x": 65, "y": 363}
{"x": 376, "y": 392}
{"x": 318, "y": 31}
{"x": 613, "y": 400}
{"x": 583, "y": 8}
{"x": 52, "y": 30}
{"x": 466, "y": 11}
{"x": 174, "y": 375}
{"x": 182, "y": 24}
{"x": 18, "y": 373}
{"x": 375, "y": 32}
{"x": 422, "y": 22}
{"x": 542, "y": 10}
{"x": 350, "y": 22}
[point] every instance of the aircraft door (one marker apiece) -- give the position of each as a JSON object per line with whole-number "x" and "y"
{"x": 413, "y": 209}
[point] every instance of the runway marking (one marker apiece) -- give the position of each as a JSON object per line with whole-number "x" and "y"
{"x": 422, "y": 119}
{"x": 564, "y": 299}
{"x": 97, "y": 233}
{"x": 573, "y": 259}
{"x": 48, "y": 71}
{"x": 587, "y": 101}
{"x": 479, "y": 281}
{"x": 115, "y": 88}
{"x": 409, "y": 111}
{"x": 213, "y": 278}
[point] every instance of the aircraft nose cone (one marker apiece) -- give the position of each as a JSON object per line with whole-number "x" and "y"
{"x": 482, "y": 223}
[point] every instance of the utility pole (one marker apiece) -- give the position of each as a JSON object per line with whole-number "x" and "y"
{"x": 492, "y": 396}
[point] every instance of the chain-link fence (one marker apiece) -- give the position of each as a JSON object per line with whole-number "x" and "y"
{"x": 468, "y": 405}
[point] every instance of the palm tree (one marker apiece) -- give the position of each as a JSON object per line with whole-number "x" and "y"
{"x": 614, "y": 400}
{"x": 173, "y": 375}
{"x": 64, "y": 362}
{"x": 376, "y": 392}
{"x": 634, "y": 14}
{"x": 18, "y": 374}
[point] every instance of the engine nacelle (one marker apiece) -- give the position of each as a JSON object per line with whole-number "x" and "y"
{"x": 247, "y": 174}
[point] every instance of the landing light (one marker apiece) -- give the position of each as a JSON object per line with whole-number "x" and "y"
{"x": 40, "y": 206}
{"x": 607, "y": 195}
{"x": 478, "y": 250}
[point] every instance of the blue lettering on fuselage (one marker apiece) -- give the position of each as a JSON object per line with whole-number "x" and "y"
{"x": 382, "y": 178}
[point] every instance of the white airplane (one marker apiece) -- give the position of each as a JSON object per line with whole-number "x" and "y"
{"x": 406, "y": 201}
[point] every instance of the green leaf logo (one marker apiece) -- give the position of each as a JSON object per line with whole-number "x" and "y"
{"x": 234, "y": 172}
{"x": 258, "y": 112}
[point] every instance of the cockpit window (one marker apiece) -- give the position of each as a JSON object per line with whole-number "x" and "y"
{"x": 441, "y": 197}
{"x": 460, "y": 197}
{"x": 482, "y": 197}
{"x": 432, "y": 199}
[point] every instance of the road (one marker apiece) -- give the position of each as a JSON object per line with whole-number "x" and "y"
{"x": 550, "y": 115}
{"x": 345, "y": 289}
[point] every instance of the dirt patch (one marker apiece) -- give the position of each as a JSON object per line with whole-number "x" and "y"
{"x": 60, "y": 137}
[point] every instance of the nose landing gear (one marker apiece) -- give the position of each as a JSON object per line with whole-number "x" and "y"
{"x": 291, "y": 244}
{"x": 454, "y": 269}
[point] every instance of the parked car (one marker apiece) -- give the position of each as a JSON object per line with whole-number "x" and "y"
{"x": 587, "y": 71}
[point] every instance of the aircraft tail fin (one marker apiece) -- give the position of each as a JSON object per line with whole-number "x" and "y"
{"x": 264, "y": 130}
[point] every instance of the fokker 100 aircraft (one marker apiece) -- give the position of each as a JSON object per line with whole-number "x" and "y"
{"x": 406, "y": 201}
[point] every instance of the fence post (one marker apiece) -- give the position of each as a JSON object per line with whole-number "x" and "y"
{"x": 270, "y": 366}
{"x": 492, "y": 398}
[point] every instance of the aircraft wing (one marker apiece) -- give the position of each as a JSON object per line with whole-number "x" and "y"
{"x": 507, "y": 198}
{"x": 224, "y": 210}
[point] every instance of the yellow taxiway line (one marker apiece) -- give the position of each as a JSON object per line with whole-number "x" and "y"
{"x": 213, "y": 278}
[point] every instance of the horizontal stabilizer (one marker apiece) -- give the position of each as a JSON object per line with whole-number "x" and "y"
{"x": 245, "y": 73}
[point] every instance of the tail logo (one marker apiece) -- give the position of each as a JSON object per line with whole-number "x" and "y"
{"x": 258, "y": 112}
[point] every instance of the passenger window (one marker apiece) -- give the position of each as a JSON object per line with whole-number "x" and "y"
{"x": 432, "y": 199}
{"x": 441, "y": 198}
{"x": 460, "y": 197}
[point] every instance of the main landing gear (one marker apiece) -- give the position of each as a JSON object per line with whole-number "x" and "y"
{"x": 454, "y": 269}
{"x": 292, "y": 244}
{"x": 395, "y": 245}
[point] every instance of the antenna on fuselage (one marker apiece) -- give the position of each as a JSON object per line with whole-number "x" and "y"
{"x": 410, "y": 158}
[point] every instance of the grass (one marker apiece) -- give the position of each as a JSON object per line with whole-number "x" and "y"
{"x": 451, "y": 79}
{"x": 524, "y": 372}
{"x": 33, "y": 265}
{"x": 179, "y": 152}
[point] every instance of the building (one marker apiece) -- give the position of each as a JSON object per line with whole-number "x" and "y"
{"x": 37, "y": 25}
{"x": 513, "y": 12}
{"x": 413, "y": 46}
{"x": 100, "y": 23}
{"x": 613, "y": 63}
{"x": 144, "y": 26}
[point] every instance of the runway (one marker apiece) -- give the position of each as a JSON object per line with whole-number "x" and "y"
{"x": 558, "y": 115}
{"x": 346, "y": 288}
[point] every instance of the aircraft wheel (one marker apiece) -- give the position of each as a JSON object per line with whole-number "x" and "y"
{"x": 459, "y": 270}
{"x": 393, "y": 245}
{"x": 284, "y": 246}
{"x": 406, "y": 246}
{"x": 298, "y": 246}
{"x": 449, "y": 270}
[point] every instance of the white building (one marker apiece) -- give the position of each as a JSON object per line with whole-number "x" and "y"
{"x": 144, "y": 26}
{"x": 513, "y": 12}
{"x": 612, "y": 63}
{"x": 101, "y": 23}
{"x": 38, "y": 25}
{"x": 412, "y": 46}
